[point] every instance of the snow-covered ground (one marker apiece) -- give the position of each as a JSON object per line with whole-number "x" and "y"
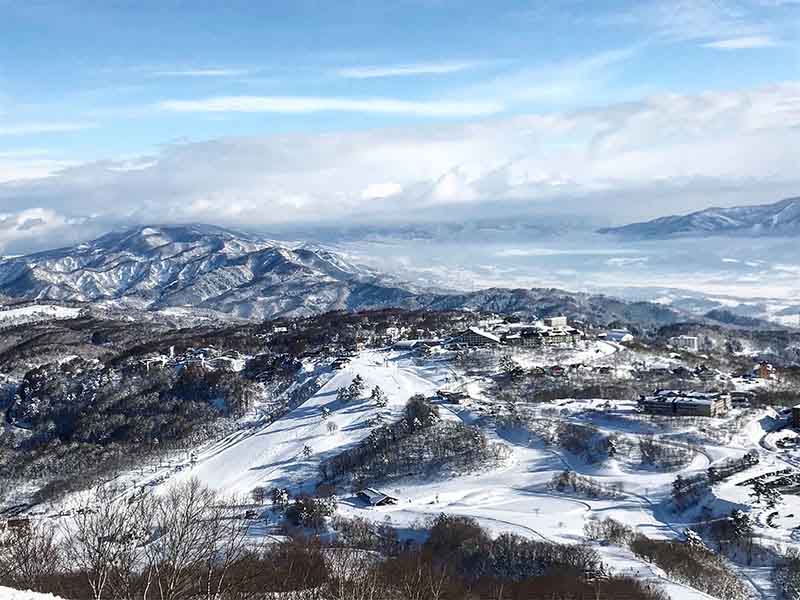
{"x": 513, "y": 497}
{"x": 9, "y": 594}
{"x": 36, "y": 312}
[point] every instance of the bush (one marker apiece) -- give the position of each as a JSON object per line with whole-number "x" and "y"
{"x": 609, "y": 530}
{"x": 569, "y": 481}
{"x": 308, "y": 511}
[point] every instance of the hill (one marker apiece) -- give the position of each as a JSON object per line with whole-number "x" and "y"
{"x": 777, "y": 219}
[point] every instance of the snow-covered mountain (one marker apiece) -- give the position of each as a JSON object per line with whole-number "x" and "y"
{"x": 778, "y": 219}
{"x": 199, "y": 266}
{"x": 190, "y": 269}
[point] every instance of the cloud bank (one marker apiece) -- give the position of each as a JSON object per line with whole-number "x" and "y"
{"x": 632, "y": 160}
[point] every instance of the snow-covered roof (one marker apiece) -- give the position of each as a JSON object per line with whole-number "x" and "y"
{"x": 373, "y": 496}
{"x": 483, "y": 333}
{"x": 683, "y": 397}
{"x": 406, "y": 344}
{"x": 618, "y": 335}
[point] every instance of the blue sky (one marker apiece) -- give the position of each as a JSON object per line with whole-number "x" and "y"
{"x": 88, "y": 89}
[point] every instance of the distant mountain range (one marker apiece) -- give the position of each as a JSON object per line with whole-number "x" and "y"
{"x": 200, "y": 267}
{"x": 778, "y": 219}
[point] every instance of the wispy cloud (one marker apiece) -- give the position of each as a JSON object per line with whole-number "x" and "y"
{"x": 721, "y": 24}
{"x": 313, "y": 104}
{"x": 209, "y": 72}
{"x": 21, "y": 129}
{"x": 407, "y": 70}
{"x": 743, "y": 43}
{"x": 563, "y": 81}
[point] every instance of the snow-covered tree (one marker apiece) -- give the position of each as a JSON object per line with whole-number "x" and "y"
{"x": 356, "y": 387}
{"x": 343, "y": 394}
{"x": 693, "y": 539}
{"x": 280, "y": 498}
{"x": 379, "y": 397}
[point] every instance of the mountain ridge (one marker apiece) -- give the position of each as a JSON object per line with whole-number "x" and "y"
{"x": 780, "y": 218}
{"x": 208, "y": 268}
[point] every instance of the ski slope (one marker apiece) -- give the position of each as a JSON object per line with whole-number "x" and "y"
{"x": 273, "y": 455}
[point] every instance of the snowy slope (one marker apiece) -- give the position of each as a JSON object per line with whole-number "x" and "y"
{"x": 273, "y": 455}
{"x": 19, "y": 315}
{"x": 780, "y": 218}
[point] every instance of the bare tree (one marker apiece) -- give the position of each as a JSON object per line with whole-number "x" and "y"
{"x": 103, "y": 536}
{"x": 196, "y": 540}
{"x": 28, "y": 555}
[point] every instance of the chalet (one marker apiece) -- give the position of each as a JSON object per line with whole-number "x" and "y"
{"x": 375, "y": 498}
{"x": 454, "y": 397}
{"x": 476, "y": 337}
{"x": 686, "y": 403}
{"x": 407, "y": 345}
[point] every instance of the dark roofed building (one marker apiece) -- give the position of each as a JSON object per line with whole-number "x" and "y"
{"x": 375, "y": 498}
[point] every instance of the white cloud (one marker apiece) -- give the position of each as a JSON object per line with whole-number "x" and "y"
{"x": 407, "y": 70}
{"x": 381, "y": 190}
{"x": 743, "y": 43}
{"x": 311, "y": 104}
{"x": 20, "y": 129}
{"x": 667, "y": 153}
{"x": 710, "y": 21}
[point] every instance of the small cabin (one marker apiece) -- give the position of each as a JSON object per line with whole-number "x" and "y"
{"x": 375, "y": 498}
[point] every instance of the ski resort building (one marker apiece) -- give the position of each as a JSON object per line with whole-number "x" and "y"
{"x": 685, "y": 342}
{"x": 476, "y": 337}
{"x": 680, "y": 403}
{"x": 532, "y": 335}
{"x": 555, "y": 322}
{"x": 618, "y": 335}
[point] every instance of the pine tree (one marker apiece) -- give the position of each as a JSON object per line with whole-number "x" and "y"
{"x": 379, "y": 397}
{"x": 759, "y": 491}
{"x": 356, "y": 387}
